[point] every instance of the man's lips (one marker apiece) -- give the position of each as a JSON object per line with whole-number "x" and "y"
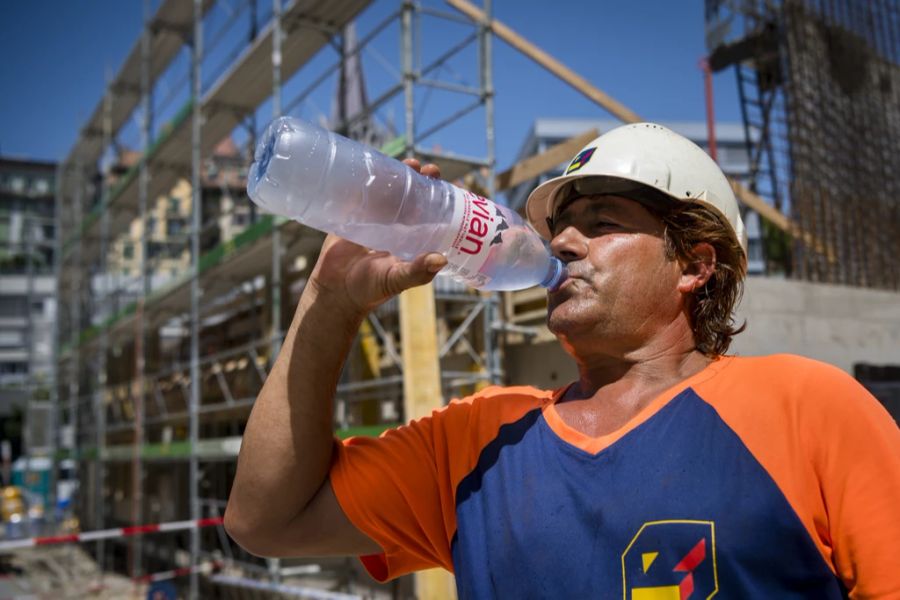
{"x": 569, "y": 283}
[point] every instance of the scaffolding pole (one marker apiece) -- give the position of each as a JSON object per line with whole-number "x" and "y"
{"x": 75, "y": 324}
{"x": 274, "y": 563}
{"x": 276, "y": 233}
{"x": 30, "y": 387}
{"x": 54, "y": 417}
{"x": 409, "y": 76}
{"x": 492, "y": 350}
{"x": 137, "y": 473}
{"x": 421, "y": 365}
{"x": 100, "y": 360}
{"x": 196, "y": 223}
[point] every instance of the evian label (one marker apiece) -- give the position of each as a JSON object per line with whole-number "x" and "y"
{"x": 478, "y": 225}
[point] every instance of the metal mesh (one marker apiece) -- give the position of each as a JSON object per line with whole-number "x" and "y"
{"x": 819, "y": 83}
{"x": 843, "y": 108}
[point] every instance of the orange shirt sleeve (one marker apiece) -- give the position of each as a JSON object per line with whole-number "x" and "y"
{"x": 834, "y": 452}
{"x": 393, "y": 489}
{"x": 854, "y": 446}
{"x": 399, "y": 488}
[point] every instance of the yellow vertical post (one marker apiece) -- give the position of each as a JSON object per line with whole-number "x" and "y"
{"x": 421, "y": 395}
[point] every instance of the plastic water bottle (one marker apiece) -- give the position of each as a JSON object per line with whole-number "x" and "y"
{"x": 336, "y": 185}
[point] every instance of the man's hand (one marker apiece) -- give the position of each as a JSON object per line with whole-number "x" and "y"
{"x": 360, "y": 279}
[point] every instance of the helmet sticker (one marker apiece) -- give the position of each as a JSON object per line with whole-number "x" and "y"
{"x": 582, "y": 159}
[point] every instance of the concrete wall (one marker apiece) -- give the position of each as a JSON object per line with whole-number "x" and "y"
{"x": 836, "y": 324}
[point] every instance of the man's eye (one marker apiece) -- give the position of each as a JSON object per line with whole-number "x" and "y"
{"x": 558, "y": 228}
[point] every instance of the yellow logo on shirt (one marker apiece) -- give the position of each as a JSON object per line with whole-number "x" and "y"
{"x": 671, "y": 560}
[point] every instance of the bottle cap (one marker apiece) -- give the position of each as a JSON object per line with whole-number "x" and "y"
{"x": 556, "y": 275}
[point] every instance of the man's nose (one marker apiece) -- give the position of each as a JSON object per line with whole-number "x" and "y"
{"x": 569, "y": 245}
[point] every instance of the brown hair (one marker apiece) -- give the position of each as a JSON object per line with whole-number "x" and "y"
{"x": 712, "y": 306}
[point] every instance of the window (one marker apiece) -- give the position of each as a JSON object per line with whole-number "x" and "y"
{"x": 175, "y": 226}
{"x": 154, "y": 249}
{"x": 47, "y": 259}
{"x": 12, "y": 306}
{"x": 44, "y": 207}
{"x": 128, "y": 251}
{"x": 11, "y": 338}
{"x": 12, "y": 368}
{"x": 41, "y": 186}
{"x": 37, "y": 307}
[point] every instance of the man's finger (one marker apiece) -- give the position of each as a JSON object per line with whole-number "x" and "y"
{"x": 431, "y": 170}
{"x": 417, "y": 272}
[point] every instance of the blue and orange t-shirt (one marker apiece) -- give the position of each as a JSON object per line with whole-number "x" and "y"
{"x": 772, "y": 477}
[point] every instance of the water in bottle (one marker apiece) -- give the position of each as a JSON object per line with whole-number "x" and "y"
{"x": 336, "y": 185}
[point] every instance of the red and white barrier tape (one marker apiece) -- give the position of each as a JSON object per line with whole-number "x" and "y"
{"x": 102, "y": 534}
{"x": 206, "y": 567}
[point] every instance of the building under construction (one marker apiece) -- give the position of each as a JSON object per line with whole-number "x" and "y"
{"x": 179, "y": 291}
{"x": 819, "y": 86}
{"x": 175, "y": 292}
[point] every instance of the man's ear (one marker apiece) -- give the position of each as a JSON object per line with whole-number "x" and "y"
{"x": 696, "y": 273}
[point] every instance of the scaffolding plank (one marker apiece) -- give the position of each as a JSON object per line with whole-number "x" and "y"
{"x": 237, "y": 92}
{"x": 167, "y": 41}
{"x": 238, "y": 259}
{"x": 249, "y": 82}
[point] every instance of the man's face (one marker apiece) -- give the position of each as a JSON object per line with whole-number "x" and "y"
{"x": 621, "y": 288}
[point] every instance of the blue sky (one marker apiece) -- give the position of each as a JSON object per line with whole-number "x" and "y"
{"x": 643, "y": 53}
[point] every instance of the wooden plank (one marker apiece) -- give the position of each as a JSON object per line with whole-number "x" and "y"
{"x": 421, "y": 395}
{"x": 421, "y": 369}
{"x": 435, "y": 584}
{"x": 538, "y": 164}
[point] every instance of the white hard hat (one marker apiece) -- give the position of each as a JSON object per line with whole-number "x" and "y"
{"x": 638, "y": 161}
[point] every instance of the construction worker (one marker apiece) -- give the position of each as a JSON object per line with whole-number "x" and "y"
{"x": 668, "y": 469}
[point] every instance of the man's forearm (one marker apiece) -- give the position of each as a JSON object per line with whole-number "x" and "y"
{"x": 287, "y": 445}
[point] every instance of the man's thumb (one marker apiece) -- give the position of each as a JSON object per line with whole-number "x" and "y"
{"x": 417, "y": 272}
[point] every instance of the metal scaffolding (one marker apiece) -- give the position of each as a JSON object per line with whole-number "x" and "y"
{"x": 157, "y": 371}
{"x": 819, "y": 83}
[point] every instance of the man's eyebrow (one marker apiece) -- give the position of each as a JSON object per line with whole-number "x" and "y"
{"x": 594, "y": 205}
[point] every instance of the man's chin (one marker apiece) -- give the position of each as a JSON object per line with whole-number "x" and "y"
{"x": 562, "y": 324}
